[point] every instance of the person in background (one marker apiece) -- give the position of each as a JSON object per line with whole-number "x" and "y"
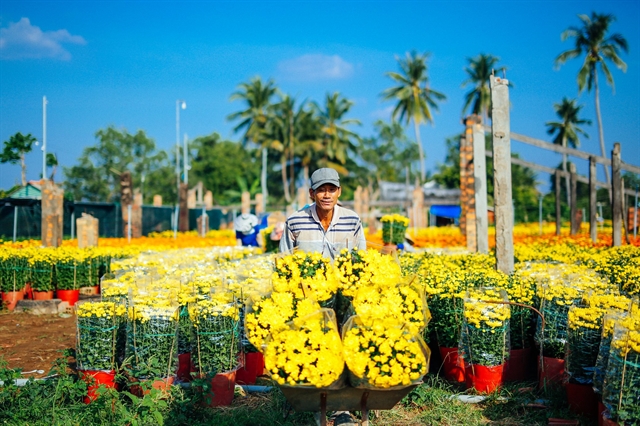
{"x": 323, "y": 226}
{"x": 327, "y": 228}
{"x": 245, "y": 226}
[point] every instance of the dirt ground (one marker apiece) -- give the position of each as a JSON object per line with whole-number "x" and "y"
{"x": 34, "y": 342}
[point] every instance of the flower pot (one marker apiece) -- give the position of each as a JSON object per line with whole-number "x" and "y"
{"x": 28, "y": 291}
{"x": 43, "y": 295}
{"x": 452, "y": 365}
{"x": 222, "y": 389}
{"x": 253, "y": 368}
{"x": 606, "y": 421}
{"x": 550, "y": 370}
{"x": 90, "y": 291}
{"x": 601, "y": 410}
{"x": 95, "y": 379}
{"x": 10, "y": 298}
{"x": 69, "y": 296}
{"x": 185, "y": 367}
{"x": 582, "y": 399}
{"x": 519, "y": 367}
{"x": 482, "y": 378}
{"x": 161, "y": 384}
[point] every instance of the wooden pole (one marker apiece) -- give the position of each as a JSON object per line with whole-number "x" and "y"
{"x": 573, "y": 199}
{"x": 464, "y": 201}
{"x": 617, "y": 195}
{"x": 480, "y": 188}
{"x": 503, "y": 207}
{"x": 558, "y": 211}
{"x": 593, "y": 224}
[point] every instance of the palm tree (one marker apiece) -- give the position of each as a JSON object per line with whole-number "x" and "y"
{"x": 413, "y": 95}
{"x": 52, "y": 161}
{"x": 15, "y": 150}
{"x": 337, "y": 139}
{"x": 257, "y": 97}
{"x": 566, "y": 130}
{"x": 479, "y": 97}
{"x": 593, "y": 40}
{"x": 279, "y": 136}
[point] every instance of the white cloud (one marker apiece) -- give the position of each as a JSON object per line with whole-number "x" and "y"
{"x": 316, "y": 67}
{"x": 22, "y": 40}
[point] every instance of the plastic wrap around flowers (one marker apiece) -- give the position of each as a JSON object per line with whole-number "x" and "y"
{"x": 308, "y": 351}
{"x": 484, "y": 338}
{"x": 394, "y": 227}
{"x": 97, "y": 332}
{"x": 383, "y": 354}
{"x": 305, "y": 275}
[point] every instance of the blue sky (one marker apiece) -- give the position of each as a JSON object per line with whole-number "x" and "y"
{"x": 125, "y": 63}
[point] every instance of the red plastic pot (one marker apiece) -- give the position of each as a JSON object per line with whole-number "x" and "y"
{"x": 606, "y": 421}
{"x": 95, "y": 379}
{"x": 550, "y": 370}
{"x": 519, "y": 367}
{"x": 160, "y": 384}
{"x": 452, "y": 365}
{"x": 222, "y": 389}
{"x": 185, "y": 367}
{"x": 252, "y": 368}
{"x": 11, "y": 298}
{"x": 69, "y": 296}
{"x": 28, "y": 291}
{"x": 484, "y": 379}
{"x": 601, "y": 410}
{"x": 582, "y": 399}
{"x": 43, "y": 295}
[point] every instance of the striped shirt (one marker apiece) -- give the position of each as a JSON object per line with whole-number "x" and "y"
{"x": 304, "y": 231}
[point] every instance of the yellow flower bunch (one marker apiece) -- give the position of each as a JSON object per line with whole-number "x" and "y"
{"x": 205, "y": 309}
{"x": 105, "y": 310}
{"x": 482, "y": 313}
{"x": 305, "y": 275}
{"x": 404, "y": 221}
{"x": 359, "y": 269}
{"x": 629, "y": 340}
{"x": 143, "y": 313}
{"x": 307, "y": 353}
{"x": 398, "y": 304}
{"x": 383, "y": 354}
{"x": 270, "y": 314}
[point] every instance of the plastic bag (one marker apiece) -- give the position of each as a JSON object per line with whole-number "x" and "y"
{"x": 383, "y": 355}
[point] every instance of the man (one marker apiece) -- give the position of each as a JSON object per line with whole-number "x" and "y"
{"x": 323, "y": 226}
{"x": 327, "y": 228}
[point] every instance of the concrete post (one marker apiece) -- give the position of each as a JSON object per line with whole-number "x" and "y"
{"x": 357, "y": 201}
{"x": 87, "y": 227}
{"x": 469, "y": 187}
{"x": 303, "y": 197}
{"x": 183, "y": 216}
{"x": 558, "y": 207}
{"x": 480, "y": 188}
{"x": 157, "y": 201}
{"x": 191, "y": 198}
{"x": 616, "y": 206}
{"x": 259, "y": 204}
{"x": 52, "y": 213}
{"x": 208, "y": 200}
{"x": 573, "y": 197}
{"x": 464, "y": 202}
{"x": 503, "y": 207}
{"x": 245, "y": 203}
{"x": 593, "y": 224}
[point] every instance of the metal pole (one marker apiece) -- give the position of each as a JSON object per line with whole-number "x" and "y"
{"x": 15, "y": 223}
{"x": 635, "y": 214}
{"x": 175, "y": 223}
{"x": 73, "y": 224}
{"x": 44, "y": 137}
{"x": 129, "y": 222}
{"x": 540, "y": 212}
{"x": 178, "y": 150}
{"x": 204, "y": 217}
{"x": 185, "y": 164}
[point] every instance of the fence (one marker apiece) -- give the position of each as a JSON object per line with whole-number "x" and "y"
{"x": 21, "y": 218}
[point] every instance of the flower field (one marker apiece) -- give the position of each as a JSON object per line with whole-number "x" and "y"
{"x": 368, "y": 320}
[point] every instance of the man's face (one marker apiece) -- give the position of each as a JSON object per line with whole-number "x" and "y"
{"x": 326, "y": 196}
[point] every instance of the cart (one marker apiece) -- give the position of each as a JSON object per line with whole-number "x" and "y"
{"x": 346, "y": 398}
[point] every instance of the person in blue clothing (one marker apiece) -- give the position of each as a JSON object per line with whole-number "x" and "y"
{"x": 246, "y": 227}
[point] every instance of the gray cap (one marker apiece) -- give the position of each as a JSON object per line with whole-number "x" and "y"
{"x": 325, "y": 175}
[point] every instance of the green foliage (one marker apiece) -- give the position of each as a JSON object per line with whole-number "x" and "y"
{"x": 96, "y": 177}
{"x": 220, "y": 164}
{"x": 15, "y": 150}
{"x": 449, "y": 173}
{"x": 479, "y": 97}
{"x": 216, "y": 344}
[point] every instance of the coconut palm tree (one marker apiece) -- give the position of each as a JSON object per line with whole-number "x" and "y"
{"x": 15, "y": 150}
{"x": 52, "y": 161}
{"x": 414, "y": 97}
{"x": 593, "y": 40}
{"x": 479, "y": 97}
{"x": 566, "y": 130}
{"x": 336, "y": 138}
{"x": 257, "y": 97}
